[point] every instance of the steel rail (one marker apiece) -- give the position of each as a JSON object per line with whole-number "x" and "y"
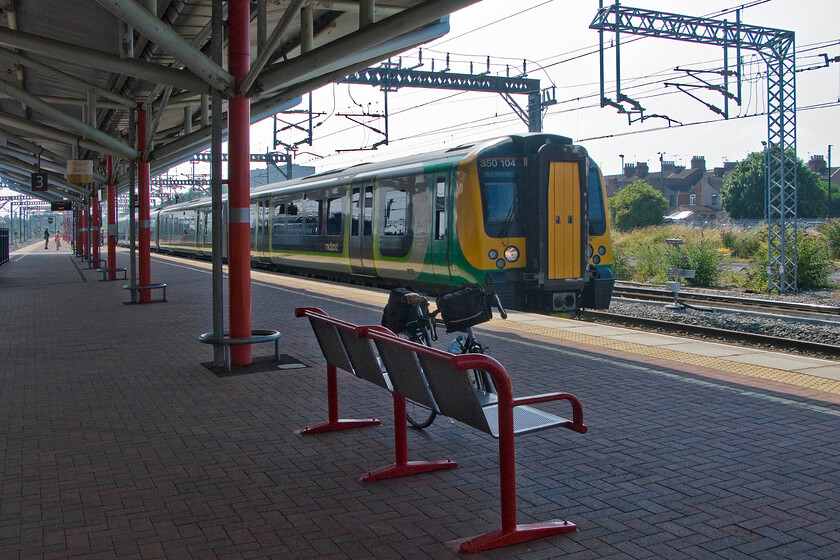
{"x": 777, "y": 343}
{"x": 661, "y": 294}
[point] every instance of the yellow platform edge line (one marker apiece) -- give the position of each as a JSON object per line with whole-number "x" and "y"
{"x": 791, "y": 378}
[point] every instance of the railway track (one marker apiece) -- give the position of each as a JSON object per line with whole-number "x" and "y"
{"x": 781, "y": 344}
{"x": 641, "y": 293}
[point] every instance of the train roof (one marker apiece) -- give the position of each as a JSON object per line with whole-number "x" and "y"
{"x": 403, "y": 164}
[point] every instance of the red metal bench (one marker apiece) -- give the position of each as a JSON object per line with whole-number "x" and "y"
{"x": 342, "y": 349}
{"x": 455, "y": 396}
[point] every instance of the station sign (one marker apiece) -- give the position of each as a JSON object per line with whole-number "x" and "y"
{"x": 61, "y": 205}
{"x": 39, "y": 182}
{"x": 80, "y": 170}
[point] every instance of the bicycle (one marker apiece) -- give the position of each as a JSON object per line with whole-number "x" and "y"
{"x": 470, "y": 345}
{"x": 407, "y": 314}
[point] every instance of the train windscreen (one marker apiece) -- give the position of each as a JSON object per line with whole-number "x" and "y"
{"x": 597, "y": 218}
{"x": 498, "y": 178}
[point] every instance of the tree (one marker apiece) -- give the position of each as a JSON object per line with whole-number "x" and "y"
{"x": 744, "y": 190}
{"x": 637, "y": 205}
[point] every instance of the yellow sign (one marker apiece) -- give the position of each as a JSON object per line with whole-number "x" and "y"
{"x": 80, "y": 170}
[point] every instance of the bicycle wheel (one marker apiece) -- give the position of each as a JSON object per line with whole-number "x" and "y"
{"x": 418, "y": 415}
{"x": 481, "y": 379}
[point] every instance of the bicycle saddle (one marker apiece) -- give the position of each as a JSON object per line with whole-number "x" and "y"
{"x": 413, "y": 298}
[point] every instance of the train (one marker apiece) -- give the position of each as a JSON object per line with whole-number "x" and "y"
{"x": 522, "y": 215}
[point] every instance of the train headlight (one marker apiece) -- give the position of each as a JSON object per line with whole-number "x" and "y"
{"x": 493, "y": 254}
{"x": 596, "y": 259}
{"x": 511, "y": 254}
{"x": 500, "y": 263}
{"x": 589, "y": 251}
{"x": 602, "y": 250}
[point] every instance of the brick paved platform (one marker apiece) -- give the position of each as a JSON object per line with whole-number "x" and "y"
{"x": 117, "y": 443}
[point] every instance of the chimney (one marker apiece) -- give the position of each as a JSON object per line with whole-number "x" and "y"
{"x": 698, "y": 162}
{"x": 642, "y": 169}
{"x": 817, "y": 164}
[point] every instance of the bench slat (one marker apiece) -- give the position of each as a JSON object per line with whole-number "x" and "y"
{"x": 454, "y": 392}
{"x": 405, "y": 375}
{"x": 330, "y": 343}
{"x": 526, "y": 419}
{"x": 363, "y": 359}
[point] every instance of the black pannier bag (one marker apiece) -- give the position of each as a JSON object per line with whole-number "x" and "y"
{"x": 397, "y": 313}
{"x": 464, "y": 308}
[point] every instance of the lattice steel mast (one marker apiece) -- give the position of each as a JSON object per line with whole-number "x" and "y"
{"x": 777, "y": 48}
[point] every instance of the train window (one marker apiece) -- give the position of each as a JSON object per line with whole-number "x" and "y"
{"x": 499, "y": 179}
{"x": 312, "y": 216}
{"x": 253, "y": 218}
{"x": 335, "y": 215}
{"x": 440, "y": 209}
{"x": 278, "y": 226}
{"x": 597, "y": 219}
{"x": 368, "y": 211}
{"x": 294, "y": 218}
{"x": 396, "y": 206}
{"x": 500, "y": 203}
{"x": 354, "y": 213}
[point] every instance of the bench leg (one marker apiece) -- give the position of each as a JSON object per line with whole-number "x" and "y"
{"x": 520, "y": 534}
{"x": 511, "y": 532}
{"x": 335, "y": 424}
{"x": 403, "y": 466}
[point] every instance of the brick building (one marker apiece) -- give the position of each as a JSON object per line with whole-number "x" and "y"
{"x": 693, "y": 193}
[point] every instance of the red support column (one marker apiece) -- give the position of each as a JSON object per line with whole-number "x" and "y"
{"x": 77, "y": 231}
{"x": 112, "y": 221}
{"x": 85, "y": 252}
{"x": 96, "y": 225}
{"x": 144, "y": 214}
{"x": 239, "y": 148}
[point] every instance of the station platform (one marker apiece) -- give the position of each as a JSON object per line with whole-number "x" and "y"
{"x": 118, "y": 440}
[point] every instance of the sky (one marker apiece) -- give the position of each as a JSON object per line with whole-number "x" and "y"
{"x": 554, "y": 39}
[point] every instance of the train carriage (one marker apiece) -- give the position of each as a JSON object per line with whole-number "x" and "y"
{"x": 523, "y": 215}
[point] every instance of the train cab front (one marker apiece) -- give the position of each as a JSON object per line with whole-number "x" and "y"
{"x": 533, "y": 202}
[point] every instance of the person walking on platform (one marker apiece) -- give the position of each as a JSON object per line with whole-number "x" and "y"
{"x": 57, "y": 240}
{"x": 47, "y": 239}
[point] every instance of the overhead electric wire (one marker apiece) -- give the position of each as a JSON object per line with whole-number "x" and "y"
{"x": 643, "y": 94}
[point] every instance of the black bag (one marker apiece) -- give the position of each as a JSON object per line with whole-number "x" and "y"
{"x": 396, "y": 313}
{"x": 464, "y": 308}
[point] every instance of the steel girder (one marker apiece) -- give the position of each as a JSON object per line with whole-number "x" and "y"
{"x": 391, "y": 78}
{"x": 777, "y": 48}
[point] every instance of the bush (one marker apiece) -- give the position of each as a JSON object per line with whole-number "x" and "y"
{"x": 744, "y": 245}
{"x": 813, "y": 267}
{"x": 621, "y": 264}
{"x": 702, "y": 257}
{"x": 651, "y": 264}
{"x": 831, "y": 232}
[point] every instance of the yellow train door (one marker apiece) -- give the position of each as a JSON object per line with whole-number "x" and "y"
{"x": 564, "y": 221}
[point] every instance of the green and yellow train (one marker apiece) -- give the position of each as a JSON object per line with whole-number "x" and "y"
{"x": 523, "y": 215}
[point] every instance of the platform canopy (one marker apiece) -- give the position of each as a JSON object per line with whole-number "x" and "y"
{"x": 75, "y": 70}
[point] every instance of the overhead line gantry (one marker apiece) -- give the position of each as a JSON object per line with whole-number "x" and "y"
{"x": 777, "y": 48}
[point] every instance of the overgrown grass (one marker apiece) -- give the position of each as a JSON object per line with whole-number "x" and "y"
{"x": 831, "y": 232}
{"x": 642, "y": 255}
